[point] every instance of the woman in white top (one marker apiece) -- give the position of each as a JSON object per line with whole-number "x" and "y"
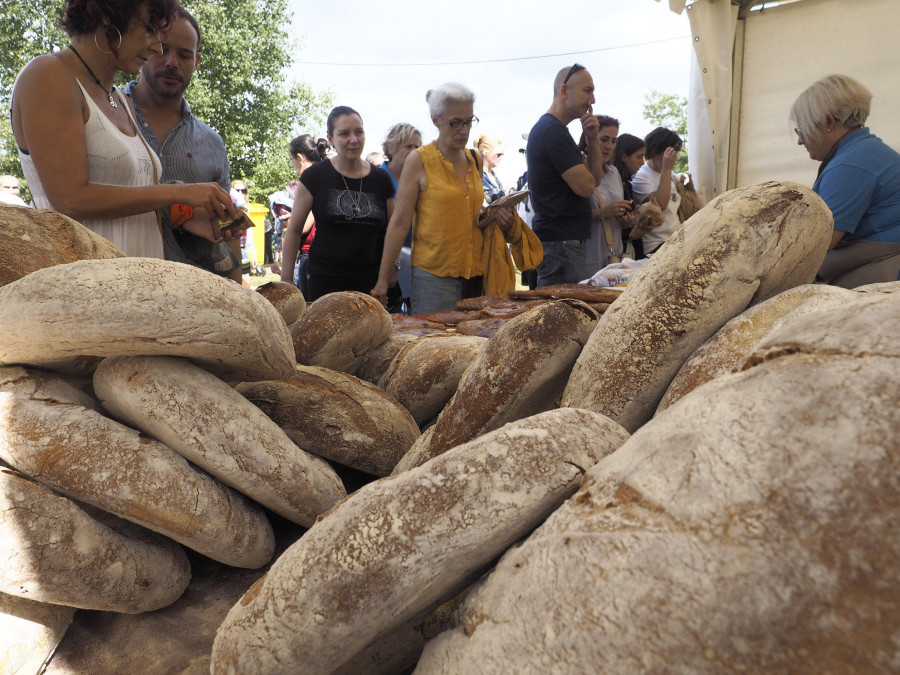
{"x": 657, "y": 179}
{"x": 78, "y": 141}
{"x": 610, "y": 211}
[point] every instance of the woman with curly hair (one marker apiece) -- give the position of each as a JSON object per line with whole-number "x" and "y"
{"x": 78, "y": 140}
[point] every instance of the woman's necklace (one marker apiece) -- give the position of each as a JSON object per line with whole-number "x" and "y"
{"x": 355, "y": 202}
{"x": 109, "y": 92}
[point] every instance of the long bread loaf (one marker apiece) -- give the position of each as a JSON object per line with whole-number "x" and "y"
{"x": 55, "y": 552}
{"x": 209, "y": 423}
{"x": 742, "y": 248}
{"x": 398, "y": 547}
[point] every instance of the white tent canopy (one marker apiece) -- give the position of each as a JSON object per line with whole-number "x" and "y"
{"x": 752, "y": 60}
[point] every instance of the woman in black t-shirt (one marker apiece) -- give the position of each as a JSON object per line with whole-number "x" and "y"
{"x": 352, "y": 202}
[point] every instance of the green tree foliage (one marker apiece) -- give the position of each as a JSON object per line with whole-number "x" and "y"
{"x": 670, "y": 111}
{"x": 242, "y": 88}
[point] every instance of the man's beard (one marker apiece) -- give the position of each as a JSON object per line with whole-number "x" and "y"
{"x": 151, "y": 81}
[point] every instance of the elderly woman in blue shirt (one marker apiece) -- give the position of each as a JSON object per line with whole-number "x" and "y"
{"x": 859, "y": 180}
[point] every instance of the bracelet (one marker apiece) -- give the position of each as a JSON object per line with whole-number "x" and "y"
{"x": 179, "y": 214}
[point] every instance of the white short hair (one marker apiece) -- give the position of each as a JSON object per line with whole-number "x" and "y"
{"x": 449, "y": 93}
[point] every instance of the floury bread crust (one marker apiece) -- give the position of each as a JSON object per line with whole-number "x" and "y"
{"x": 748, "y": 528}
{"x": 31, "y": 239}
{"x": 425, "y": 374}
{"x": 520, "y": 371}
{"x": 285, "y": 297}
{"x": 89, "y": 457}
{"x": 744, "y": 247}
{"x": 399, "y": 547}
{"x": 340, "y": 330}
{"x": 54, "y": 552}
{"x": 141, "y": 306}
{"x": 209, "y": 423}
{"x": 725, "y": 351}
{"x": 337, "y": 416}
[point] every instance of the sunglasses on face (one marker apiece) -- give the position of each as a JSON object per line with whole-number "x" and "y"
{"x": 574, "y": 69}
{"x": 241, "y": 190}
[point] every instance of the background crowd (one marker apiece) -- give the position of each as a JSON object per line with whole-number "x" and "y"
{"x": 418, "y": 226}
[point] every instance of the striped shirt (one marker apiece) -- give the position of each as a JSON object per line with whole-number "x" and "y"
{"x": 192, "y": 152}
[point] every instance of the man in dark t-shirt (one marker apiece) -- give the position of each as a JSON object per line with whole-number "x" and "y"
{"x": 560, "y": 179}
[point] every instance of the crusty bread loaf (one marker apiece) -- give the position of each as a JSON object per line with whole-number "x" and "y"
{"x": 29, "y": 633}
{"x": 882, "y": 287}
{"x": 42, "y": 386}
{"x": 54, "y": 552}
{"x": 91, "y": 458}
{"x": 142, "y": 306}
{"x": 398, "y": 547}
{"x": 337, "y": 416}
{"x": 744, "y": 247}
{"x": 206, "y": 421}
{"x": 378, "y": 361}
{"x": 748, "y": 528}
{"x": 340, "y": 330}
{"x": 727, "y": 349}
{"x": 285, "y": 297}
{"x": 424, "y": 375}
{"x": 520, "y": 371}
{"x": 31, "y": 239}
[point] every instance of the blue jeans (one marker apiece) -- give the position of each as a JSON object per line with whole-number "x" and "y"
{"x": 563, "y": 263}
{"x": 431, "y": 293}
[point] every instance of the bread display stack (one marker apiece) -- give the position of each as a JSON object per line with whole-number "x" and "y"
{"x": 399, "y": 547}
{"x": 747, "y": 528}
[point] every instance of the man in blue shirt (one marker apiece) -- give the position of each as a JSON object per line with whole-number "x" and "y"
{"x": 190, "y": 151}
{"x": 560, "y": 180}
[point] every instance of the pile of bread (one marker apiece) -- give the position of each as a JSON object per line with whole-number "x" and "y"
{"x": 699, "y": 478}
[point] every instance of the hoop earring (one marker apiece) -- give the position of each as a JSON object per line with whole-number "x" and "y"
{"x": 97, "y": 44}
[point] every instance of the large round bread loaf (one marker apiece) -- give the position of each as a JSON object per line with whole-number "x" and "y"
{"x": 285, "y": 297}
{"x": 748, "y": 528}
{"x": 730, "y": 345}
{"x": 426, "y": 373}
{"x": 91, "y": 458}
{"x": 209, "y": 423}
{"x": 53, "y": 551}
{"x": 337, "y": 416}
{"x": 340, "y": 330}
{"x": 400, "y": 546}
{"x": 142, "y": 306}
{"x": 31, "y": 239}
{"x": 742, "y": 248}
{"x": 520, "y": 371}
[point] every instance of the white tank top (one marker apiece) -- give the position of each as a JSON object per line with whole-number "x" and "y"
{"x": 113, "y": 159}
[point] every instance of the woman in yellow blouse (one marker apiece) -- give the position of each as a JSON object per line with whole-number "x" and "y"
{"x": 441, "y": 187}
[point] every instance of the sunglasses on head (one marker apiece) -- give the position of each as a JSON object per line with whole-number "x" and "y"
{"x": 574, "y": 69}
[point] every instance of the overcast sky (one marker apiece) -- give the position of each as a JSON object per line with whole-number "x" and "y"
{"x": 388, "y": 54}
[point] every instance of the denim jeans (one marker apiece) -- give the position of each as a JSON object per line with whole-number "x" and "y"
{"x": 431, "y": 293}
{"x": 563, "y": 263}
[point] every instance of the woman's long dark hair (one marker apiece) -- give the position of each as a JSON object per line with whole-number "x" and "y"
{"x": 626, "y": 144}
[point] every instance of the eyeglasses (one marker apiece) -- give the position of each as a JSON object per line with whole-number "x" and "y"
{"x": 799, "y": 135}
{"x": 498, "y": 154}
{"x": 574, "y": 69}
{"x": 457, "y": 124}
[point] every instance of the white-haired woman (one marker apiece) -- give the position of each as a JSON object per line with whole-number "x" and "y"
{"x": 859, "y": 179}
{"x": 441, "y": 187}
